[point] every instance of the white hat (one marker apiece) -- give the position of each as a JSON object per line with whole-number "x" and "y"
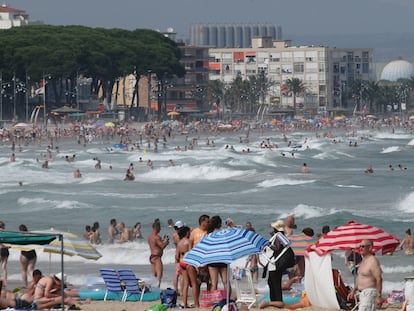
{"x": 59, "y": 276}
{"x": 179, "y": 224}
{"x": 279, "y": 225}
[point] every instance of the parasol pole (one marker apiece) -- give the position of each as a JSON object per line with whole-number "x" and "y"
{"x": 62, "y": 281}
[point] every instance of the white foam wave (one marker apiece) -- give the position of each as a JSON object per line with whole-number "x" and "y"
{"x": 398, "y": 269}
{"x": 283, "y": 182}
{"x": 349, "y": 186}
{"x": 388, "y": 135}
{"x": 59, "y": 204}
{"x": 407, "y": 204}
{"x": 308, "y": 211}
{"x": 187, "y": 172}
{"x": 391, "y": 149}
{"x": 411, "y": 142}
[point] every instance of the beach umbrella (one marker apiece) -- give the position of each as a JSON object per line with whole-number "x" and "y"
{"x": 300, "y": 243}
{"x": 173, "y": 113}
{"x": 225, "y": 246}
{"x": 22, "y": 126}
{"x": 350, "y": 236}
{"x": 73, "y": 245}
{"x": 110, "y": 124}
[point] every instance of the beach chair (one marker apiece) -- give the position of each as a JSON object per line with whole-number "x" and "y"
{"x": 113, "y": 284}
{"x": 133, "y": 285}
{"x": 342, "y": 291}
{"x": 246, "y": 292}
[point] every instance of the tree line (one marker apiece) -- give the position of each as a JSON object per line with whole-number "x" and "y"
{"x": 64, "y": 53}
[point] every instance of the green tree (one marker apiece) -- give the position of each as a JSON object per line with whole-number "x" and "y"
{"x": 296, "y": 86}
{"x": 105, "y": 55}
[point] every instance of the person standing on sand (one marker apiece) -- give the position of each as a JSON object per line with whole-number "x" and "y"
{"x": 157, "y": 246}
{"x": 28, "y": 260}
{"x": 194, "y": 275}
{"x": 369, "y": 279}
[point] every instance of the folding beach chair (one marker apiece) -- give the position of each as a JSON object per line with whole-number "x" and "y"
{"x": 342, "y": 292}
{"x": 133, "y": 285}
{"x": 113, "y": 283}
{"x": 246, "y": 292}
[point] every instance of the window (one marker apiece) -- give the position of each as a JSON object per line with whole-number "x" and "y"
{"x": 298, "y": 67}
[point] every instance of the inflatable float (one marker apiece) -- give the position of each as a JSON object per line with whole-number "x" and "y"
{"x": 97, "y": 292}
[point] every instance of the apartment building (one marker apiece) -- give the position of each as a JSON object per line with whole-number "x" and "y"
{"x": 326, "y": 72}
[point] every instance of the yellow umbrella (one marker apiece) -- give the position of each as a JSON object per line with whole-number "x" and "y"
{"x": 109, "y": 124}
{"x": 173, "y": 113}
{"x": 341, "y": 117}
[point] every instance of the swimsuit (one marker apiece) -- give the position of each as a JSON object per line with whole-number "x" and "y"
{"x": 153, "y": 257}
{"x": 183, "y": 265}
{"x": 4, "y": 252}
{"x": 24, "y": 305}
{"x": 29, "y": 255}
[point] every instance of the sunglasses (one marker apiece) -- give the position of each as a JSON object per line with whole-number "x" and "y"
{"x": 363, "y": 246}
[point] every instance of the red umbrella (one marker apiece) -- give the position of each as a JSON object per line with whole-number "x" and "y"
{"x": 350, "y": 235}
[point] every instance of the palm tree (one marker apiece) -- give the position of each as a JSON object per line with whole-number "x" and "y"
{"x": 295, "y": 86}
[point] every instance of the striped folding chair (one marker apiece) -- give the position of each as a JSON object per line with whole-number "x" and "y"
{"x": 133, "y": 285}
{"x": 113, "y": 283}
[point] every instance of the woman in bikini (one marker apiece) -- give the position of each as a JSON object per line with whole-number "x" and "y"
{"x": 27, "y": 260}
{"x": 183, "y": 246}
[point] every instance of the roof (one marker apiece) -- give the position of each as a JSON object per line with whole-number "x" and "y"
{"x": 398, "y": 69}
{"x": 6, "y": 9}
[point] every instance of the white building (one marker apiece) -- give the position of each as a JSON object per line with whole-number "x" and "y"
{"x": 326, "y": 72}
{"x": 10, "y": 17}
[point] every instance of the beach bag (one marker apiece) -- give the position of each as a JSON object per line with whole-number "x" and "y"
{"x": 210, "y": 297}
{"x": 158, "y": 307}
{"x": 223, "y": 306}
{"x": 169, "y": 297}
{"x": 277, "y": 260}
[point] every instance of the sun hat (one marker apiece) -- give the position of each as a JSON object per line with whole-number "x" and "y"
{"x": 59, "y": 276}
{"x": 279, "y": 225}
{"x": 178, "y": 224}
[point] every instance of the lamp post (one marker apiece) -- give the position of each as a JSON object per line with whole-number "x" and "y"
{"x": 44, "y": 97}
{"x": 149, "y": 95}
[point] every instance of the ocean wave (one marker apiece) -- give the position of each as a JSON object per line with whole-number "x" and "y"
{"x": 398, "y": 269}
{"x": 391, "y": 149}
{"x": 307, "y": 211}
{"x": 406, "y": 205}
{"x": 283, "y": 182}
{"x": 349, "y": 186}
{"x": 187, "y": 172}
{"x": 59, "y": 204}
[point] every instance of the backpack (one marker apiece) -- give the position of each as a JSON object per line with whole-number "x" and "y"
{"x": 169, "y": 297}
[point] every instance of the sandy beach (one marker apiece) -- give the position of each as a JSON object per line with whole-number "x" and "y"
{"x": 141, "y": 306}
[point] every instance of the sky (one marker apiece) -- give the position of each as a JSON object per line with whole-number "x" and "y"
{"x": 298, "y": 17}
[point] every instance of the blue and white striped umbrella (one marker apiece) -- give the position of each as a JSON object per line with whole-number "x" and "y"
{"x": 225, "y": 246}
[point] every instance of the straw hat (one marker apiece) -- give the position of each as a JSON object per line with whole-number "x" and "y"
{"x": 279, "y": 225}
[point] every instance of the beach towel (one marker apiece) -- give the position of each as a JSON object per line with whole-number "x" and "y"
{"x": 319, "y": 281}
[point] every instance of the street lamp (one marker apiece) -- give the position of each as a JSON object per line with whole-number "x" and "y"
{"x": 44, "y": 97}
{"x": 149, "y": 95}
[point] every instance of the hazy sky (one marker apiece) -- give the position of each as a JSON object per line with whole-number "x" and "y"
{"x": 295, "y": 16}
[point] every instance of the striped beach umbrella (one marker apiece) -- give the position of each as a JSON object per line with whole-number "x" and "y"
{"x": 225, "y": 246}
{"x": 300, "y": 243}
{"x": 350, "y": 236}
{"x": 73, "y": 245}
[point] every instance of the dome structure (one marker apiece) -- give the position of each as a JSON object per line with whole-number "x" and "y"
{"x": 397, "y": 69}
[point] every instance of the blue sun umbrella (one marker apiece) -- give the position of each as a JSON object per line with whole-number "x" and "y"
{"x": 225, "y": 246}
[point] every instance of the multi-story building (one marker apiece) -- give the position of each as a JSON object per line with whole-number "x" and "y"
{"x": 10, "y": 17}
{"x": 231, "y": 35}
{"x": 326, "y": 72}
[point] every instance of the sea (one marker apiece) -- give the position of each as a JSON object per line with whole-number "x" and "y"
{"x": 227, "y": 173}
